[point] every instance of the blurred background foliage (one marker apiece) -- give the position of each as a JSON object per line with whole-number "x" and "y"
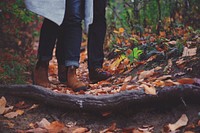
{"x": 152, "y": 16}
{"x": 138, "y": 16}
{"x": 129, "y": 24}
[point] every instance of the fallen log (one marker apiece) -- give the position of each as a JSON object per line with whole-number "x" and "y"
{"x": 106, "y": 102}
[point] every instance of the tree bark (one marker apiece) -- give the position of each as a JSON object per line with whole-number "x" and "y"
{"x": 102, "y": 103}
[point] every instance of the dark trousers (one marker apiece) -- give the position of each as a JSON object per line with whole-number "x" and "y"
{"x": 69, "y": 36}
{"x": 96, "y": 35}
{"x": 48, "y": 35}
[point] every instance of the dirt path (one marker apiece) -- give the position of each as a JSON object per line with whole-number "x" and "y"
{"x": 128, "y": 119}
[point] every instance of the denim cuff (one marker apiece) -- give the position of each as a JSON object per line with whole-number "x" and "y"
{"x": 71, "y": 63}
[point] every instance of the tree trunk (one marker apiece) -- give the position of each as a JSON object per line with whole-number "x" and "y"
{"x": 159, "y": 17}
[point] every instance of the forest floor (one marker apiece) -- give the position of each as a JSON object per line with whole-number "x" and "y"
{"x": 158, "y": 70}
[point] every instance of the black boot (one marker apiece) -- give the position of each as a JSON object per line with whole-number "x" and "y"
{"x": 98, "y": 74}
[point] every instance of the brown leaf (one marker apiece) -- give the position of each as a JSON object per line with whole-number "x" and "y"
{"x": 164, "y": 77}
{"x": 186, "y": 81}
{"x": 2, "y": 105}
{"x": 14, "y": 114}
{"x": 104, "y": 82}
{"x": 80, "y": 130}
{"x": 146, "y": 74}
{"x": 189, "y": 132}
{"x": 55, "y": 127}
{"x": 104, "y": 114}
{"x": 123, "y": 88}
{"x": 159, "y": 83}
{"x": 169, "y": 82}
{"x": 37, "y": 130}
{"x": 128, "y": 79}
{"x": 148, "y": 89}
{"x": 110, "y": 129}
{"x": 33, "y": 106}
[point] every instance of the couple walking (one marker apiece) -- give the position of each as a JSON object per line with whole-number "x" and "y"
{"x": 62, "y": 26}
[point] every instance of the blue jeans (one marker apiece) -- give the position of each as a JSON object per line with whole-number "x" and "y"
{"x": 69, "y": 36}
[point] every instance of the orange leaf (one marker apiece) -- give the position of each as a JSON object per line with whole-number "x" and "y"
{"x": 123, "y": 88}
{"x": 186, "y": 81}
{"x": 121, "y": 30}
{"x": 55, "y": 127}
{"x": 169, "y": 82}
{"x": 80, "y": 130}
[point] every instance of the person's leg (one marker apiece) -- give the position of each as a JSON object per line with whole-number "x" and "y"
{"x": 96, "y": 37}
{"x": 60, "y": 55}
{"x": 48, "y": 35}
{"x": 72, "y": 42}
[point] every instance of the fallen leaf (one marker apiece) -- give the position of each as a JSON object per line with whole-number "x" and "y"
{"x": 14, "y": 114}
{"x": 43, "y": 123}
{"x": 131, "y": 87}
{"x": 164, "y": 77}
{"x": 37, "y": 130}
{"x": 104, "y": 82}
{"x": 2, "y": 105}
{"x": 149, "y": 90}
{"x": 172, "y": 42}
{"x": 106, "y": 114}
{"x": 186, "y": 81}
{"x": 169, "y": 82}
{"x": 180, "y": 123}
{"x": 189, "y": 52}
{"x": 159, "y": 83}
{"x": 128, "y": 79}
{"x": 110, "y": 129}
{"x": 116, "y": 63}
{"x": 33, "y": 106}
{"x": 146, "y": 74}
{"x": 189, "y": 132}
{"x": 146, "y": 128}
{"x": 181, "y": 63}
{"x": 123, "y": 88}
{"x": 55, "y": 127}
{"x": 80, "y": 130}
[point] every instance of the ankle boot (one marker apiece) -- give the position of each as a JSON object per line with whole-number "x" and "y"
{"x": 40, "y": 74}
{"x": 62, "y": 73}
{"x": 72, "y": 80}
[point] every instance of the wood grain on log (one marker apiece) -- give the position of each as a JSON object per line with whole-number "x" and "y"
{"x": 108, "y": 102}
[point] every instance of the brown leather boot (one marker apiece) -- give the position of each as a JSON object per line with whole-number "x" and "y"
{"x": 72, "y": 80}
{"x": 40, "y": 74}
